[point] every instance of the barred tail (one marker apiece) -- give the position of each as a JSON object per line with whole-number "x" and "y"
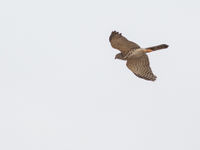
{"x": 162, "y": 46}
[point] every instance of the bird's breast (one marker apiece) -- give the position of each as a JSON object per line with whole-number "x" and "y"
{"x": 135, "y": 53}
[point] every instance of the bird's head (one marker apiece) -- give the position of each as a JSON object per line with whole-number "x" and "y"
{"x": 119, "y": 56}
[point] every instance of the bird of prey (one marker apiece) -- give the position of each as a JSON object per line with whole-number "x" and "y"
{"x": 136, "y": 57}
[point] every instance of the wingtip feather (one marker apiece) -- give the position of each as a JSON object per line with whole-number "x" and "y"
{"x": 113, "y": 34}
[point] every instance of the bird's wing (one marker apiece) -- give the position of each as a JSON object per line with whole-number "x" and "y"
{"x": 140, "y": 67}
{"x": 121, "y": 43}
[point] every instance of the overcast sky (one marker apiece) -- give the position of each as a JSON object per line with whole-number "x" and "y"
{"x": 62, "y": 89}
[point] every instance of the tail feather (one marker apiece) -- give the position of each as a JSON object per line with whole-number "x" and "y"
{"x": 162, "y": 46}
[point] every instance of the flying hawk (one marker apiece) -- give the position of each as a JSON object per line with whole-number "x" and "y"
{"x": 136, "y": 57}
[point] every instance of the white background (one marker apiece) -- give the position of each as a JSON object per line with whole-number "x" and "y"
{"x": 61, "y": 89}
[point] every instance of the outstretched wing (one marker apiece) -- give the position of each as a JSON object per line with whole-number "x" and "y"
{"x": 141, "y": 68}
{"x": 121, "y": 43}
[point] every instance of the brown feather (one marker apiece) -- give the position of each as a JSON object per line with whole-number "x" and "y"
{"x": 141, "y": 67}
{"x": 121, "y": 43}
{"x": 162, "y": 46}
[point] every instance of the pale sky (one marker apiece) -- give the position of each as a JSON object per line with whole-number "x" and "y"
{"x": 62, "y": 89}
